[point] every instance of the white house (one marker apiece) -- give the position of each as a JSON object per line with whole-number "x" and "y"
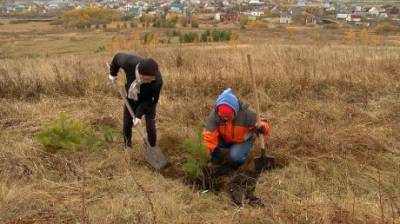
{"x": 358, "y": 9}
{"x": 373, "y": 11}
{"x": 285, "y": 18}
{"x": 342, "y": 16}
{"x": 217, "y": 17}
{"x": 383, "y": 15}
{"x": 255, "y": 2}
{"x": 353, "y": 18}
{"x": 326, "y": 5}
{"x": 254, "y": 13}
{"x": 301, "y": 3}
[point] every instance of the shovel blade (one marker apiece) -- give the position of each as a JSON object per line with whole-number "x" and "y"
{"x": 155, "y": 157}
{"x": 264, "y": 163}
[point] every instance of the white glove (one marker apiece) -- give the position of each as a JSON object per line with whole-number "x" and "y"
{"x": 136, "y": 121}
{"x": 112, "y": 78}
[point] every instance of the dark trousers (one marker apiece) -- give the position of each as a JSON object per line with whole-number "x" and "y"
{"x": 140, "y": 109}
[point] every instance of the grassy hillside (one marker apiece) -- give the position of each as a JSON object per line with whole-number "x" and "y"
{"x": 335, "y": 132}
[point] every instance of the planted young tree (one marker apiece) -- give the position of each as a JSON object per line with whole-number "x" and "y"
{"x": 68, "y": 134}
{"x": 196, "y": 159}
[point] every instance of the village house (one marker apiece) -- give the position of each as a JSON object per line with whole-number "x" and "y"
{"x": 373, "y": 11}
{"x": 309, "y": 19}
{"x": 301, "y": 3}
{"x": 353, "y": 18}
{"x": 255, "y": 2}
{"x": 177, "y": 8}
{"x": 275, "y": 11}
{"x": 285, "y": 18}
{"x": 227, "y": 17}
{"x": 326, "y": 4}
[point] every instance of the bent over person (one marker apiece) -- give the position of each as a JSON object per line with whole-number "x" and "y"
{"x": 143, "y": 87}
{"x": 233, "y": 126}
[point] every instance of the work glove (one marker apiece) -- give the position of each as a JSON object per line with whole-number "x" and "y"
{"x": 112, "y": 78}
{"x": 260, "y": 129}
{"x": 136, "y": 121}
{"x": 263, "y": 128}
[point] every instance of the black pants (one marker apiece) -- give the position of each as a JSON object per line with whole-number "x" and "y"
{"x": 146, "y": 109}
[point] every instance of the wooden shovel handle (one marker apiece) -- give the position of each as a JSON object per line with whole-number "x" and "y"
{"x": 258, "y": 110}
{"x": 123, "y": 96}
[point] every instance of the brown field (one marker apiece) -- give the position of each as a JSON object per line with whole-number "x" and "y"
{"x": 335, "y": 129}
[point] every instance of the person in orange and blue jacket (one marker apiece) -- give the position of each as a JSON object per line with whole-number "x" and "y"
{"x": 232, "y": 125}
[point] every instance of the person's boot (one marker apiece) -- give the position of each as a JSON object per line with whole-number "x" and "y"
{"x": 251, "y": 182}
{"x": 128, "y": 142}
{"x": 254, "y": 201}
{"x": 236, "y": 193}
{"x": 236, "y": 189}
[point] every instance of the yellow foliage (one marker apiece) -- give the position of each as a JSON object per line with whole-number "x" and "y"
{"x": 316, "y": 36}
{"x": 89, "y": 15}
{"x": 351, "y": 37}
{"x": 364, "y": 37}
{"x": 234, "y": 38}
{"x": 125, "y": 42}
{"x": 154, "y": 41}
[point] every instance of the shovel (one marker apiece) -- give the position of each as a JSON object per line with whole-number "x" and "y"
{"x": 264, "y": 161}
{"x": 153, "y": 154}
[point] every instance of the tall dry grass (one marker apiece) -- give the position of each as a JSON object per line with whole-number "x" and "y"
{"x": 335, "y": 133}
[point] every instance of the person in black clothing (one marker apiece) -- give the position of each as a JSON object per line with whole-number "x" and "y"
{"x": 143, "y": 85}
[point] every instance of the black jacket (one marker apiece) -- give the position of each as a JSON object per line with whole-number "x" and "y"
{"x": 149, "y": 92}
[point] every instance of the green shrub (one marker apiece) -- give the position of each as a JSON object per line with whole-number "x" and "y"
{"x": 386, "y": 27}
{"x": 204, "y": 37}
{"x": 164, "y": 23}
{"x": 147, "y": 37}
{"x": 215, "y": 35}
{"x": 197, "y": 158}
{"x": 68, "y": 134}
{"x": 243, "y": 21}
{"x": 189, "y": 37}
{"x": 176, "y": 33}
{"x": 81, "y": 25}
{"x": 195, "y": 24}
{"x": 101, "y": 49}
{"x": 225, "y": 35}
{"x": 109, "y": 135}
{"x": 65, "y": 134}
{"x": 18, "y": 21}
{"x": 221, "y": 35}
{"x": 133, "y": 25}
{"x": 56, "y": 22}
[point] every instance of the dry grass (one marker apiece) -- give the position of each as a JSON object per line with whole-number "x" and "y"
{"x": 334, "y": 130}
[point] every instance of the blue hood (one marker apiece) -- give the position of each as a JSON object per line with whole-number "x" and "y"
{"x": 227, "y": 97}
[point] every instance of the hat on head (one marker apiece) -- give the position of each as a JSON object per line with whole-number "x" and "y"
{"x": 148, "y": 67}
{"x": 227, "y": 98}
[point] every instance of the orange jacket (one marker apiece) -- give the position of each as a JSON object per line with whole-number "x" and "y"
{"x": 238, "y": 130}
